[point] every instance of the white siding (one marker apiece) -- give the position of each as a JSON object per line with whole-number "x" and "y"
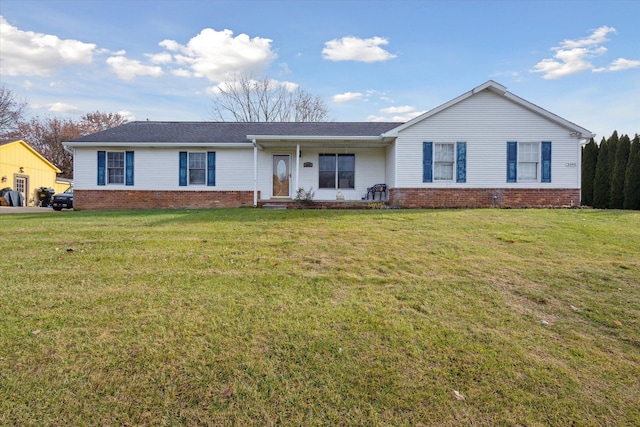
{"x": 157, "y": 169}
{"x": 486, "y": 121}
{"x": 391, "y": 166}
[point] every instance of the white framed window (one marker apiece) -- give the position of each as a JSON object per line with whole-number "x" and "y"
{"x": 337, "y": 171}
{"x": 115, "y": 167}
{"x": 197, "y": 168}
{"x": 528, "y": 161}
{"x": 443, "y": 162}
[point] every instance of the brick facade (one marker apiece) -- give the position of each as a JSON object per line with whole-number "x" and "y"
{"x": 483, "y": 197}
{"x": 139, "y": 199}
{"x": 398, "y": 197}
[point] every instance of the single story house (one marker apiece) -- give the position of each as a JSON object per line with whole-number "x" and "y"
{"x": 487, "y": 147}
{"x": 24, "y": 170}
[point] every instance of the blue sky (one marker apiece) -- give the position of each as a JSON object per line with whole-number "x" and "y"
{"x": 369, "y": 60}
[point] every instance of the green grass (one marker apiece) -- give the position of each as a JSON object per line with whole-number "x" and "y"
{"x": 320, "y": 317}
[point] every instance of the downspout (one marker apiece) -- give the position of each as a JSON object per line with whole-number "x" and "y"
{"x": 582, "y": 141}
{"x": 579, "y": 171}
{"x": 297, "y": 167}
{"x": 255, "y": 174}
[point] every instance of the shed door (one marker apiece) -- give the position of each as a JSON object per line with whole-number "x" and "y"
{"x": 281, "y": 175}
{"x": 21, "y": 187}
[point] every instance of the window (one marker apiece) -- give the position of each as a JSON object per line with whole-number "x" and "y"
{"x": 529, "y": 161}
{"x": 197, "y": 168}
{"x": 115, "y": 167}
{"x": 528, "y": 158}
{"x": 337, "y": 171}
{"x": 444, "y": 162}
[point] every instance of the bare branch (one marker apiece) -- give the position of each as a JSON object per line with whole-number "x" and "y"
{"x": 245, "y": 99}
{"x": 12, "y": 111}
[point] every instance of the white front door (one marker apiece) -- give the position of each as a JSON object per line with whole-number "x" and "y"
{"x": 281, "y": 175}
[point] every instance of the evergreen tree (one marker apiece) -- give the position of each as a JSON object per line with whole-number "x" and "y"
{"x": 632, "y": 177}
{"x": 589, "y": 161}
{"x": 618, "y": 172}
{"x": 602, "y": 180}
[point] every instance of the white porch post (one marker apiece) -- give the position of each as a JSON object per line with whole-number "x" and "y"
{"x": 255, "y": 174}
{"x": 297, "y": 168}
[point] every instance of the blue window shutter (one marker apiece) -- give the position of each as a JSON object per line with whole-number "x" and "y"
{"x": 546, "y": 161}
{"x": 183, "y": 168}
{"x": 211, "y": 168}
{"x": 102, "y": 156}
{"x": 512, "y": 161}
{"x": 427, "y": 162}
{"x": 461, "y": 162}
{"x": 129, "y": 168}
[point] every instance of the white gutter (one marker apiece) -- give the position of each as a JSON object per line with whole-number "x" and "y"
{"x": 314, "y": 138}
{"x": 159, "y": 144}
{"x": 255, "y": 174}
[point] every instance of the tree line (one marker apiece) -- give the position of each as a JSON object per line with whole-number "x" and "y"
{"x": 611, "y": 173}
{"x": 46, "y": 134}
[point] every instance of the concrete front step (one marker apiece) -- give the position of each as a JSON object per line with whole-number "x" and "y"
{"x": 274, "y": 206}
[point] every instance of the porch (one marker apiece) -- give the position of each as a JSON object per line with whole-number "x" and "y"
{"x": 340, "y": 171}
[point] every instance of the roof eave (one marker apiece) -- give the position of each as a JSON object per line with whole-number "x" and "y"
{"x": 76, "y": 144}
{"x": 302, "y": 138}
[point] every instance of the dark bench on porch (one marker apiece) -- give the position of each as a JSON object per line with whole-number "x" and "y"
{"x": 378, "y": 188}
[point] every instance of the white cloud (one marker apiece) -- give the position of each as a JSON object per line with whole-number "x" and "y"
{"x": 573, "y": 56}
{"x": 346, "y": 97}
{"x": 60, "y": 107}
{"x": 37, "y": 54}
{"x": 598, "y": 36}
{"x": 159, "y": 58}
{"x": 289, "y": 86}
{"x": 216, "y": 55}
{"x": 356, "y": 49}
{"x": 513, "y": 75}
{"x": 408, "y": 116}
{"x": 129, "y": 69}
{"x": 284, "y": 68}
{"x": 128, "y": 115}
{"x": 620, "y": 64}
{"x": 103, "y": 51}
{"x": 398, "y": 110}
{"x": 396, "y": 114}
{"x": 182, "y": 72}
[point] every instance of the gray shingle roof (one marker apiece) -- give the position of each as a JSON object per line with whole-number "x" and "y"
{"x": 231, "y": 132}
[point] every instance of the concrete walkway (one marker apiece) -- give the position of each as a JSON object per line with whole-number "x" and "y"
{"x": 23, "y": 209}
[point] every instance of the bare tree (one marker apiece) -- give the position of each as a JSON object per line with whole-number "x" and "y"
{"x": 308, "y": 108}
{"x": 97, "y": 122}
{"x": 12, "y": 111}
{"x": 247, "y": 100}
{"x": 46, "y": 135}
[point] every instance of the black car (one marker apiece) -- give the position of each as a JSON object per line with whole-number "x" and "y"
{"x": 63, "y": 200}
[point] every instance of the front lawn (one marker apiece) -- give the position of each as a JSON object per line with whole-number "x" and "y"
{"x": 309, "y": 317}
